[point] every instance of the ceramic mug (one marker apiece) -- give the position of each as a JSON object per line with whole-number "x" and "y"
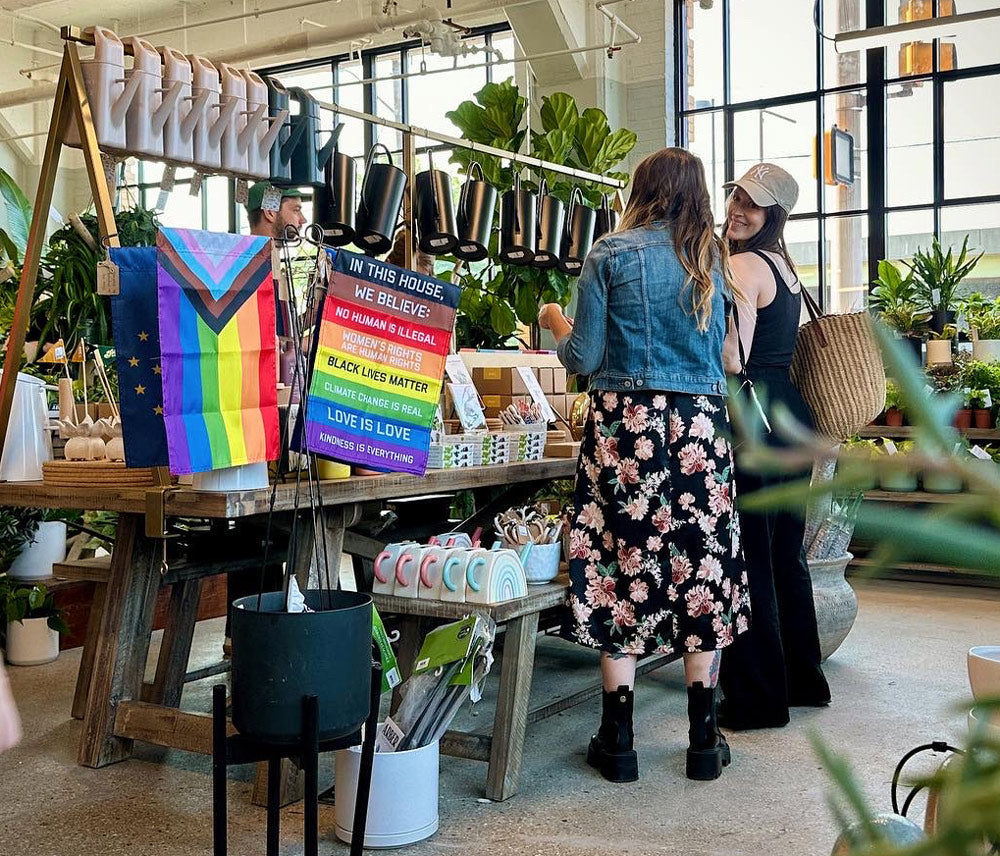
{"x": 429, "y": 572}
{"x": 453, "y": 575}
{"x": 495, "y": 577}
{"x": 384, "y": 567}
{"x": 406, "y": 570}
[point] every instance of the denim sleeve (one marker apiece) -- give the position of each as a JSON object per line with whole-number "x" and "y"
{"x": 582, "y": 352}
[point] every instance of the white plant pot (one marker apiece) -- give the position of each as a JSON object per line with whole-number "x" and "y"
{"x": 403, "y": 805}
{"x": 37, "y": 558}
{"x": 938, "y": 352}
{"x": 243, "y": 477}
{"x": 31, "y": 642}
{"x": 987, "y": 350}
{"x": 835, "y": 600}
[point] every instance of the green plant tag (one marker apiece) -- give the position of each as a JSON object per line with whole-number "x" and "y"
{"x": 390, "y": 667}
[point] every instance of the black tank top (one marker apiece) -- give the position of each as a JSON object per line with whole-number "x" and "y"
{"x": 777, "y": 325}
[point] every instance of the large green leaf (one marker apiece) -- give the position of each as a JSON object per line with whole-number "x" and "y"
{"x": 559, "y": 113}
{"x": 18, "y": 212}
{"x": 470, "y": 119}
{"x": 502, "y": 318}
{"x": 591, "y": 131}
{"x": 526, "y": 304}
{"x": 615, "y": 148}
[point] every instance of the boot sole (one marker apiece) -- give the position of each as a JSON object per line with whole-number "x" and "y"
{"x": 614, "y": 766}
{"x": 704, "y": 765}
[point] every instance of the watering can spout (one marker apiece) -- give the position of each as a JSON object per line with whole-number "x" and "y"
{"x": 194, "y": 113}
{"x": 120, "y": 107}
{"x": 255, "y": 120}
{"x": 219, "y": 125}
{"x": 267, "y": 141}
{"x": 170, "y": 98}
{"x": 324, "y": 154}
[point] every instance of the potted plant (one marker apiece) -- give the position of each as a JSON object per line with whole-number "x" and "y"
{"x": 938, "y": 275}
{"x": 939, "y": 345}
{"x": 946, "y": 482}
{"x": 983, "y": 317}
{"x": 32, "y": 540}
{"x": 981, "y": 405}
{"x": 898, "y": 478}
{"x": 893, "y": 405}
{"x": 895, "y": 300}
{"x": 32, "y": 623}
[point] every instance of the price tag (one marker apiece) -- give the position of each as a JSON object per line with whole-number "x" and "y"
{"x": 107, "y": 278}
{"x": 535, "y": 391}
{"x": 890, "y": 447}
{"x": 271, "y": 200}
{"x": 935, "y": 296}
{"x": 241, "y": 192}
{"x": 169, "y": 178}
{"x": 196, "y": 180}
{"x": 978, "y": 451}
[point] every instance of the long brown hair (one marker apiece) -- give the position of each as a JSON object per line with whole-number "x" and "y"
{"x": 670, "y": 185}
{"x": 770, "y": 238}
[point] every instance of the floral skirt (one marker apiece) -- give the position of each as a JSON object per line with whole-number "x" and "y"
{"x": 655, "y": 557}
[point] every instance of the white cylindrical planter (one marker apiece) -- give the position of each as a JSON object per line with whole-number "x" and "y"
{"x": 38, "y": 557}
{"x": 244, "y": 477}
{"x": 938, "y": 352}
{"x": 835, "y": 600}
{"x": 987, "y": 350}
{"x": 31, "y": 642}
{"x": 403, "y": 807}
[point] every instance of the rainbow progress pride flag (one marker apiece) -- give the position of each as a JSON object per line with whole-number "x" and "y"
{"x": 217, "y": 349}
{"x": 378, "y": 364}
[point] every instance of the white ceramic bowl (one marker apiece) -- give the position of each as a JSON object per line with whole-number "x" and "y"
{"x": 984, "y": 671}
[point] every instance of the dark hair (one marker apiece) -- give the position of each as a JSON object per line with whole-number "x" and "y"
{"x": 255, "y": 217}
{"x": 770, "y": 238}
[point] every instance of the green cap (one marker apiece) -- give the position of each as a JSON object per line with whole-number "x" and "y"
{"x": 255, "y": 196}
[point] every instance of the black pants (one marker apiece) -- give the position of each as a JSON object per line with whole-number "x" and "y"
{"x": 777, "y": 662}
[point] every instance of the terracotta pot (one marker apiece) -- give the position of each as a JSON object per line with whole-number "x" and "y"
{"x": 894, "y": 417}
{"x": 836, "y": 603}
{"x": 982, "y": 418}
{"x": 938, "y": 352}
{"x": 963, "y": 419}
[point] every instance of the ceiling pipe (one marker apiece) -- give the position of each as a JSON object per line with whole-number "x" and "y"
{"x": 294, "y": 42}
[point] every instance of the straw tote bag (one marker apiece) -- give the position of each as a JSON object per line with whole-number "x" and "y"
{"x": 837, "y": 368}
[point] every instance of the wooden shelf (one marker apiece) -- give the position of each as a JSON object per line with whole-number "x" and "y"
{"x": 924, "y": 572}
{"x": 905, "y": 432}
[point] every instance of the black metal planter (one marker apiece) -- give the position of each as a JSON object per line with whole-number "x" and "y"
{"x": 335, "y": 205}
{"x": 579, "y": 236}
{"x": 381, "y": 200}
{"x": 518, "y": 229}
{"x": 476, "y": 206}
{"x": 607, "y": 219}
{"x": 437, "y": 231}
{"x": 551, "y": 221}
{"x": 281, "y": 657}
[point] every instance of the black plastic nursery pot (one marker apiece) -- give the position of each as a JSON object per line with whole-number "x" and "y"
{"x": 941, "y": 318}
{"x": 280, "y": 657}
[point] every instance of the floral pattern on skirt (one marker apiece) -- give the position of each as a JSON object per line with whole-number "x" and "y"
{"x": 655, "y": 557}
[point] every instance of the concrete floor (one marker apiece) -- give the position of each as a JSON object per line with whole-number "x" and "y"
{"x": 899, "y": 680}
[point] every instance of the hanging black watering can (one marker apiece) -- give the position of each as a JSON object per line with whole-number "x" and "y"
{"x": 308, "y": 156}
{"x": 607, "y": 219}
{"x": 281, "y": 157}
{"x": 334, "y": 201}
{"x": 279, "y": 657}
{"x": 437, "y": 231}
{"x": 476, "y": 205}
{"x": 517, "y": 225}
{"x": 381, "y": 199}
{"x": 551, "y": 222}
{"x": 579, "y": 236}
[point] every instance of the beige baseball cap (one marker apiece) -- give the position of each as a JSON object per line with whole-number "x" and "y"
{"x": 768, "y": 184}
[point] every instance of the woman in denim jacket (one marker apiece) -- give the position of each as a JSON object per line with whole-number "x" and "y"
{"x": 655, "y": 557}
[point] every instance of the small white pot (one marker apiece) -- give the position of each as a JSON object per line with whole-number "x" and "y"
{"x": 987, "y": 350}
{"x": 938, "y": 352}
{"x": 31, "y": 642}
{"x": 38, "y": 557}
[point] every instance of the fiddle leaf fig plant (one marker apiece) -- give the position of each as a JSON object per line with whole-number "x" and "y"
{"x": 497, "y": 298}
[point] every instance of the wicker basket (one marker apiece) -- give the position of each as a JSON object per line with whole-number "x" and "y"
{"x": 837, "y": 368}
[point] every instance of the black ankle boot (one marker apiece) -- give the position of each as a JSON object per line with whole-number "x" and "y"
{"x": 610, "y": 750}
{"x": 708, "y": 751}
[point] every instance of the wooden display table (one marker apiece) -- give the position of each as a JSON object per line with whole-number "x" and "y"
{"x": 118, "y": 709}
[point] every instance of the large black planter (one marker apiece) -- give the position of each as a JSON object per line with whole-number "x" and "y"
{"x": 917, "y": 346}
{"x": 280, "y": 657}
{"x": 941, "y": 318}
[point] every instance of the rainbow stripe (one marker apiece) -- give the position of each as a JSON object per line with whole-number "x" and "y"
{"x": 217, "y": 344}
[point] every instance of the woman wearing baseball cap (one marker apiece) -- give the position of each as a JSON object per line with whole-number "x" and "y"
{"x": 777, "y": 663}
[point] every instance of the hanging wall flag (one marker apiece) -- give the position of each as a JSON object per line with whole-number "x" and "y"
{"x": 136, "y": 332}
{"x": 217, "y": 340}
{"x": 378, "y": 364}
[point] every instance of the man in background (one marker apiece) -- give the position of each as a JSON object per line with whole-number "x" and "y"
{"x": 271, "y": 209}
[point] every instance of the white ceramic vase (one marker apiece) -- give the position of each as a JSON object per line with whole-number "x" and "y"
{"x": 31, "y": 642}
{"x": 46, "y": 548}
{"x": 835, "y": 600}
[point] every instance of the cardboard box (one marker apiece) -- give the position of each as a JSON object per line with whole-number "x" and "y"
{"x": 498, "y": 380}
{"x": 493, "y": 404}
{"x": 545, "y": 380}
{"x": 559, "y": 379}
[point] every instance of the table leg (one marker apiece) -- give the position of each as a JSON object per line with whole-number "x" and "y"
{"x": 410, "y": 639}
{"x": 89, "y": 646}
{"x": 122, "y": 642}
{"x": 507, "y": 745}
{"x": 314, "y": 555}
{"x": 175, "y": 649}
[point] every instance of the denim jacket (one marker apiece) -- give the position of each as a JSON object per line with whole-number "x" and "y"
{"x": 634, "y": 328}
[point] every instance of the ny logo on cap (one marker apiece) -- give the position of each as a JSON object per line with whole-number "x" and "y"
{"x": 760, "y": 171}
